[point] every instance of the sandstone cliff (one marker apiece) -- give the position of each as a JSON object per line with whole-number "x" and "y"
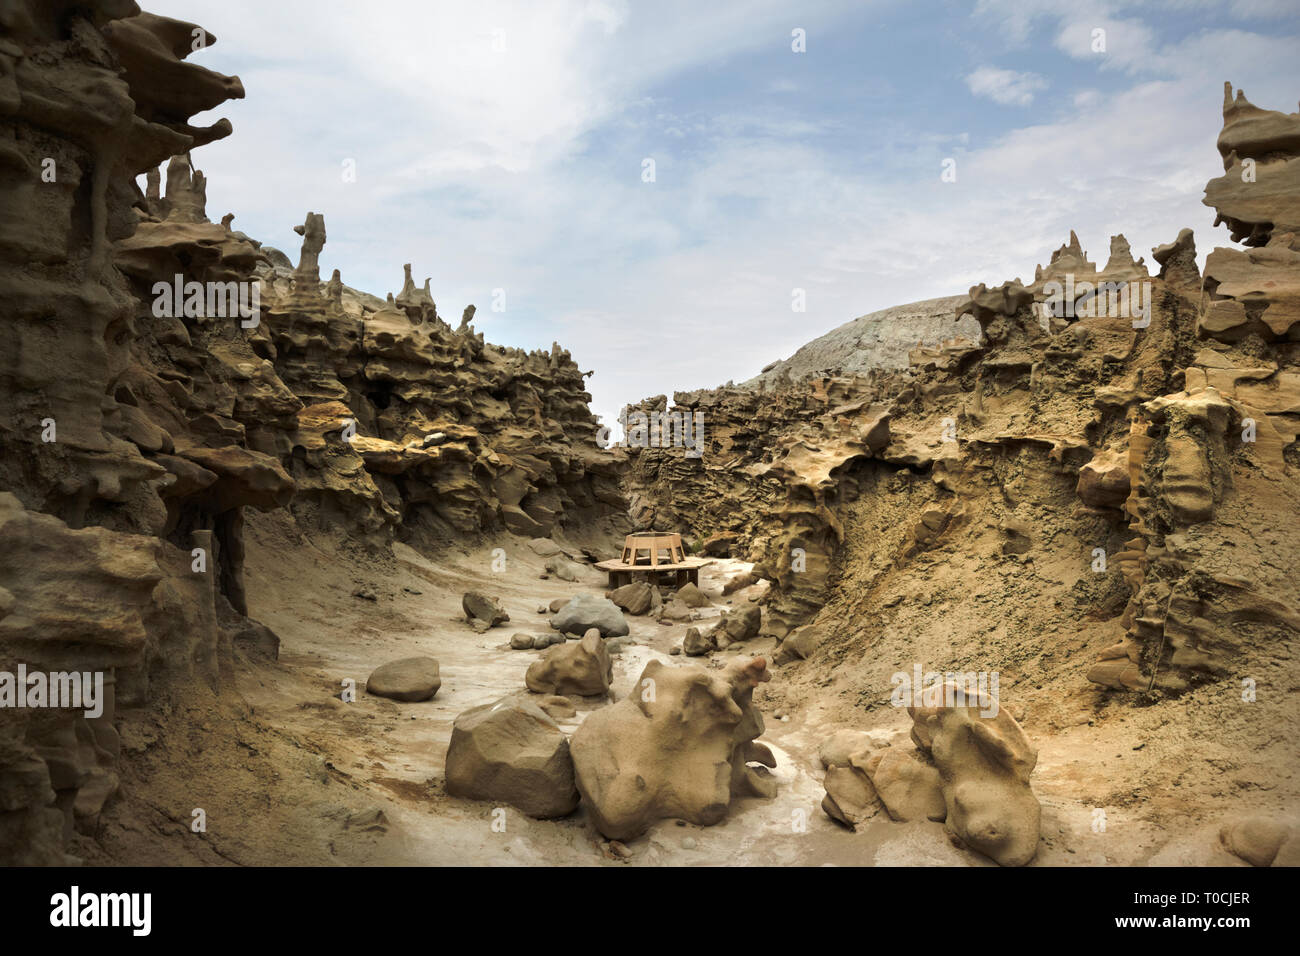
{"x": 164, "y": 374}
{"x": 1115, "y": 454}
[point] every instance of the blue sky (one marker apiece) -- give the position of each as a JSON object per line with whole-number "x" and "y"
{"x": 500, "y": 145}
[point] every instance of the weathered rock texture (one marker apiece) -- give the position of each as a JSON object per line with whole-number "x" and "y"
{"x": 163, "y": 373}
{"x": 583, "y": 668}
{"x": 512, "y": 752}
{"x": 1133, "y": 466}
{"x": 680, "y": 746}
{"x": 882, "y": 339}
{"x": 105, "y": 497}
{"x": 984, "y": 760}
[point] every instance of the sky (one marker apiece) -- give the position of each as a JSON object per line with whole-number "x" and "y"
{"x": 505, "y": 150}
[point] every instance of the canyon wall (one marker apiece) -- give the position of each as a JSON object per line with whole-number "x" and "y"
{"x": 164, "y": 373}
{"x": 1113, "y": 449}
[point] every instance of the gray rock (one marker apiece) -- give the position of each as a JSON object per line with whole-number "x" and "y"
{"x": 586, "y": 611}
{"x": 521, "y": 642}
{"x": 879, "y": 340}
{"x": 676, "y": 610}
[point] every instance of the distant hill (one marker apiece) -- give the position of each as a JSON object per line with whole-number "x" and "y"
{"x": 879, "y": 340}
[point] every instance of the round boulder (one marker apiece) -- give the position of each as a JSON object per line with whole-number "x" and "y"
{"x": 586, "y": 611}
{"x": 410, "y": 679}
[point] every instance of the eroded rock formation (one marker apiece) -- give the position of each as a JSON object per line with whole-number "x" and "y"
{"x": 1134, "y": 435}
{"x": 681, "y": 746}
{"x": 164, "y": 373}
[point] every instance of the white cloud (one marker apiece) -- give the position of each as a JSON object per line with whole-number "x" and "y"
{"x": 1005, "y": 86}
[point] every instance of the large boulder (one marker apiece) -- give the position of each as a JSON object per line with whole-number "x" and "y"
{"x": 586, "y": 611}
{"x": 410, "y": 679}
{"x": 512, "y": 752}
{"x": 584, "y": 668}
{"x": 984, "y": 760}
{"x": 720, "y": 545}
{"x": 680, "y": 746}
{"x": 675, "y": 610}
{"x": 634, "y": 598}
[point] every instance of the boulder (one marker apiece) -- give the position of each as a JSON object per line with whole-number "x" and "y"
{"x": 680, "y": 746}
{"x": 697, "y": 643}
{"x": 691, "y": 596}
{"x": 512, "y": 752}
{"x": 836, "y": 749}
{"x": 480, "y": 607}
{"x": 1104, "y": 481}
{"x": 412, "y": 678}
{"x": 564, "y": 569}
{"x": 675, "y": 610}
{"x": 850, "y": 797}
{"x": 586, "y": 611}
{"x": 984, "y": 760}
{"x": 908, "y": 785}
{"x": 741, "y": 623}
{"x": 800, "y": 644}
{"x": 634, "y": 598}
{"x": 583, "y": 668}
{"x": 544, "y": 547}
{"x": 521, "y": 642}
{"x": 1256, "y": 840}
{"x": 738, "y": 581}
